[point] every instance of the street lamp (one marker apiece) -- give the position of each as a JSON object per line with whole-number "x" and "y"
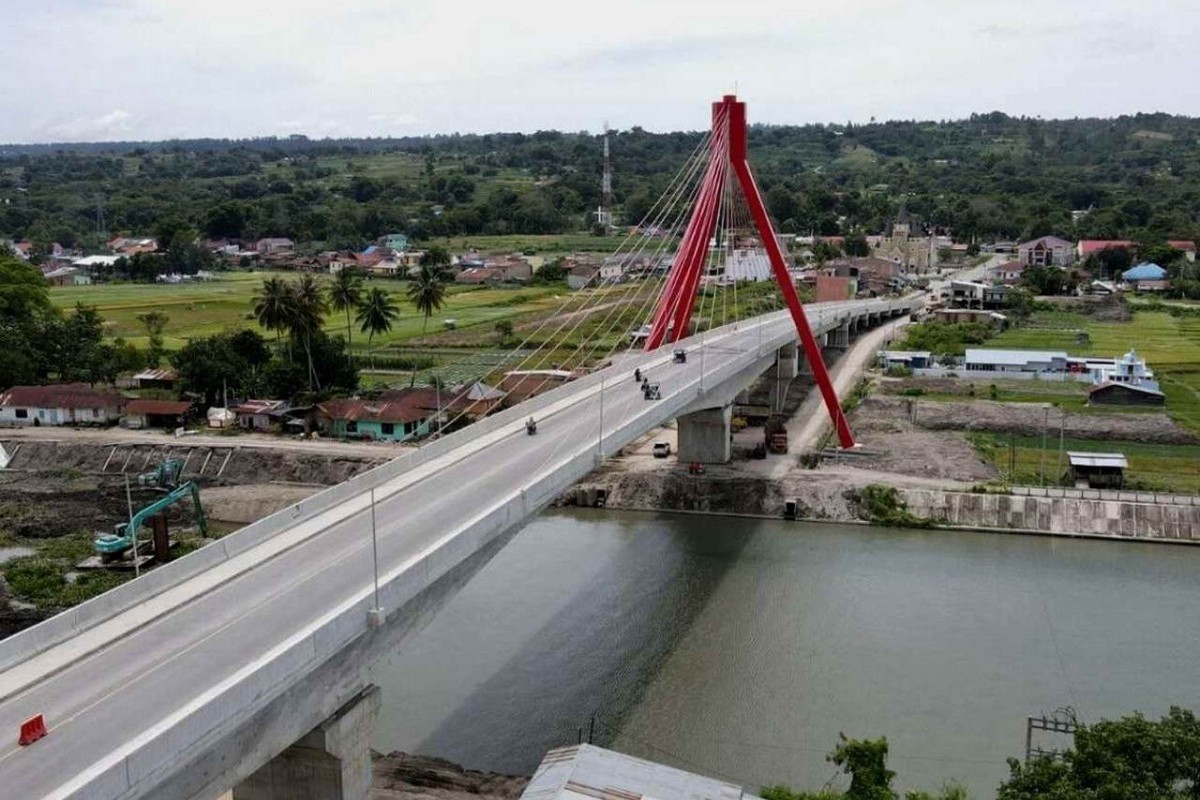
{"x": 375, "y": 615}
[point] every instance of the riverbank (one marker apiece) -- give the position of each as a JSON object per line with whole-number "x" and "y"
{"x": 400, "y": 776}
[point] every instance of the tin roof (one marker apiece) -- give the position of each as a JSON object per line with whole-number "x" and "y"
{"x": 171, "y": 408}
{"x": 587, "y": 772}
{"x": 166, "y": 374}
{"x": 1112, "y": 460}
{"x": 1011, "y": 357}
{"x": 64, "y": 395}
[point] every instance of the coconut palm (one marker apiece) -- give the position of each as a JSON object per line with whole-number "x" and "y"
{"x": 308, "y": 311}
{"x": 427, "y": 292}
{"x": 346, "y": 294}
{"x": 273, "y": 305}
{"x": 375, "y": 315}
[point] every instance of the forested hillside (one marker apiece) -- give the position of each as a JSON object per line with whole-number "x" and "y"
{"x": 990, "y": 176}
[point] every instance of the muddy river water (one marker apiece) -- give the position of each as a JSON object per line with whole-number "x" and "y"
{"x": 741, "y": 648}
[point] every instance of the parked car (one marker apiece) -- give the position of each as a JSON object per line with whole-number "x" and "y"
{"x": 662, "y": 449}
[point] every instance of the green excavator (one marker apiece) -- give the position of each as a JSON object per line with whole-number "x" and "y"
{"x": 113, "y": 546}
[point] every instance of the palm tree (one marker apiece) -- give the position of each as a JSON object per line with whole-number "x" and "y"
{"x": 346, "y": 294}
{"x": 308, "y": 311}
{"x": 273, "y": 305}
{"x": 427, "y": 292}
{"x": 376, "y": 315}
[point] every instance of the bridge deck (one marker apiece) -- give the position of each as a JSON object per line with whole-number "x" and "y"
{"x": 113, "y": 689}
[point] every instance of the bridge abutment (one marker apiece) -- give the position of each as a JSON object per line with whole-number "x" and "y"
{"x": 331, "y": 762}
{"x": 704, "y": 436}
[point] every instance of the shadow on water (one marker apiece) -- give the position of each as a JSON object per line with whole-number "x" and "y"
{"x": 621, "y": 626}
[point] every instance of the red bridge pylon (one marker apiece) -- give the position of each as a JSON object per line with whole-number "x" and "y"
{"x": 727, "y": 153}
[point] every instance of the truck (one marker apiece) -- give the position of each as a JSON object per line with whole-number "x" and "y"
{"x": 775, "y": 434}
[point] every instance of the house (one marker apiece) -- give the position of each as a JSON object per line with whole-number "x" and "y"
{"x": 875, "y": 275}
{"x": 220, "y": 418}
{"x": 1097, "y": 470}
{"x": 476, "y": 400}
{"x": 900, "y": 246}
{"x": 520, "y": 385}
{"x": 272, "y": 245}
{"x": 395, "y": 241}
{"x": 1089, "y": 247}
{"x": 1046, "y": 252}
{"x": 963, "y": 316}
{"x": 395, "y": 416}
{"x": 132, "y": 245}
{"x": 143, "y": 413}
{"x": 1188, "y": 248}
{"x": 830, "y": 288}
{"x": 68, "y": 276}
{"x": 985, "y": 360}
{"x": 1146, "y": 277}
{"x": 155, "y": 378}
{"x": 477, "y": 275}
{"x": 1124, "y": 394}
{"x": 582, "y": 275}
{"x": 967, "y": 293}
{"x": 59, "y": 404}
{"x": 1010, "y": 273}
{"x": 907, "y": 359}
{"x": 258, "y": 415}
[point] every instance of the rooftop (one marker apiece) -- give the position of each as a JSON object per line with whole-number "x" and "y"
{"x": 65, "y": 395}
{"x": 1110, "y": 460}
{"x": 157, "y": 407}
{"x": 587, "y": 772}
{"x": 981, "y": 355}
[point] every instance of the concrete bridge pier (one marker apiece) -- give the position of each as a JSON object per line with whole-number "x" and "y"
{"x": 331, "y": 762}
{"x": 705, "y": 436}
{"x": 839, "y": 337}
{"x": 787, "y": 367}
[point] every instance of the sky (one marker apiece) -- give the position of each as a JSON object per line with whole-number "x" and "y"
{"x": 106, "y": 70}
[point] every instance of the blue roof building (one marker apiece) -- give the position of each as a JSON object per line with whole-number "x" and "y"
{"x": 1144, "y": 272}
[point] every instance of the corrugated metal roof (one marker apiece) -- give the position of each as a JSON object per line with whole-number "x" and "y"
{"x": 1144, "y": 272}
{"x": 166, "y": 374}
{"x": 1097, "y": 460}
{"x": 65, "y": 395}
{"x": 586, "y": 772}
{"x": 157, "y": 407}
{"x": 1011, "y": 357}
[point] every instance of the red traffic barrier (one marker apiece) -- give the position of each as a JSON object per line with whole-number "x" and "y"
{"x": 31, "y": 730}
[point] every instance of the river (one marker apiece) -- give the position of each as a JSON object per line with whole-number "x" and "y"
{"x": 741, "y": 648}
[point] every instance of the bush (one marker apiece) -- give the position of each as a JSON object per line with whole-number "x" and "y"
{"x": 885, "y": 507}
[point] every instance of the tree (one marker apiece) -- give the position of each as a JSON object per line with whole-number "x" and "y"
{"x": 436, "y": 255}
{"x": 427, "y": 293}
{"x": 154, "y": 322}
{"x": 273, "y": 305}
{"x": 309, "y": 308}
{"x": 1132, "y": 758}
{"x": 345, "y": 294}
{"x": 23, "y": 291}
{"x": 376, "y": 315}
{"x": 228, "y": 362}
{"x": 1046, "y": 280}
{"x": 504, "y": 330}
{"x": 856, "y": 245}
{"x": 1018, "y": 301}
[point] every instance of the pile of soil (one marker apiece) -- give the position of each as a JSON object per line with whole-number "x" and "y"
{"x": 400, "y": 775}
{"x": 1024, "y": 419}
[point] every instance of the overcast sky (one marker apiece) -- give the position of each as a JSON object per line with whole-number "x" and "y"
{"x": 84, "y": 70}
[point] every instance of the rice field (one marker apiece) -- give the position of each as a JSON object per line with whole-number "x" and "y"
{"x": 1170, "y": 344}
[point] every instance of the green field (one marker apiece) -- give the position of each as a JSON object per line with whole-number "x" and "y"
{"x": 203, "y": 309}
{"x": 1169, "y": 343}
{"x": 1152, "y": 467}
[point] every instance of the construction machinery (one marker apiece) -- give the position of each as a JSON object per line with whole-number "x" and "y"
{"x": 165, "y": 475}
{"x": 775, "y": 434}
{"x": 113, "y": 546}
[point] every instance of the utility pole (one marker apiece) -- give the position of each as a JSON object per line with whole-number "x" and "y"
{"x": 1062, "y": 432}
{"x": 132, "y": 531}
{"x": 376, "y": 614}
{"x": 1045, "y": 425}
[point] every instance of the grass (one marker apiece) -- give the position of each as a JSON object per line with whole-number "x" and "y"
{"x": 1152, "y": 467}
{"x": 42, "y": 579}
{"x": 1068, "y": 395}
{"x": 204, "y": 309}
{"x": 1170, "y": 344}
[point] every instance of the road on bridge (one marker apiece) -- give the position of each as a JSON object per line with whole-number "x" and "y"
{"x": 110, "y": 689}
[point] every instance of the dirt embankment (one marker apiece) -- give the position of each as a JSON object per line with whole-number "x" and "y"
{"x": 399, "y": 776}
{"x": 1026, "y": 420}
{"x": 212, "y": 465}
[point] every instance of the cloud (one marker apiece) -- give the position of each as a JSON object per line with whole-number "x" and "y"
{"x": 109, "y": 126}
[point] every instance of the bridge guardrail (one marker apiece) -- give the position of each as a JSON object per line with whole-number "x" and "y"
{"x": 60, "y": 627}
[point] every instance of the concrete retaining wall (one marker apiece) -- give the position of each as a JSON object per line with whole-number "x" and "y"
{"x": 1068, "y": 516}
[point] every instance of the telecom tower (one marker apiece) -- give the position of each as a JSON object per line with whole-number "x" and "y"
{"x": 604, "y": 212}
